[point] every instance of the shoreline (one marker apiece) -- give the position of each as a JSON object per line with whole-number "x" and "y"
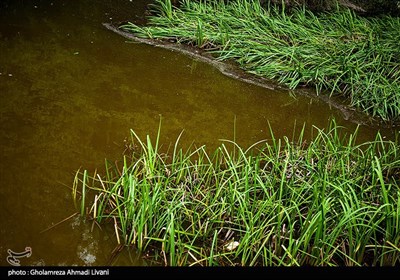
{"x": 348, "y": 113}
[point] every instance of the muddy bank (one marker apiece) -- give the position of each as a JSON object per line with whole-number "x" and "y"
{"x": 231, "y": 70}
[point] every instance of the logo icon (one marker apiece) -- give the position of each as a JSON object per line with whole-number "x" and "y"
{"x": 13, "y": 257}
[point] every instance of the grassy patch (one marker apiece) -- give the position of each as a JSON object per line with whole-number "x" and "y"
{"x": 326, "y": 201}
{"x": 337, "y": 52}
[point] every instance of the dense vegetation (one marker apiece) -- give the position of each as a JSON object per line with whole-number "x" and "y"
{"x": 324, "y": 201}
{"x": 337, "y": 52}
{"x": 327, "y": 201}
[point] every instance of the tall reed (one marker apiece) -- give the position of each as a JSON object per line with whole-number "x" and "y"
{"x": 337, "y": 52}
{"x": 281, "y": 202}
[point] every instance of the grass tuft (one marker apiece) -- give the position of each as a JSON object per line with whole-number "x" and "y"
{"x": 338, "y": 52}
{"x": 326, "y": 201}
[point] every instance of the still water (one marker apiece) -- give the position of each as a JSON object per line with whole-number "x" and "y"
{"x": 70, "y": 91}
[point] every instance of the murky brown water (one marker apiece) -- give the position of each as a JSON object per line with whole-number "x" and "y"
{"x": 70, "y": 90}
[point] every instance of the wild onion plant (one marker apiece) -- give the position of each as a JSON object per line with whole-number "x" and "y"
{"x": 325, "y": 201}
{"x": 337, "y": 52}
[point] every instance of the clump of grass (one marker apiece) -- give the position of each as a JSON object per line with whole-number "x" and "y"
{"x": 281, "y": 202}
{"x": 337, "y": 52}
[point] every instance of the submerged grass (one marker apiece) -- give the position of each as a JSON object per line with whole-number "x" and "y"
{"x": 337, "y": 52}
{"x": 282, "y": 202}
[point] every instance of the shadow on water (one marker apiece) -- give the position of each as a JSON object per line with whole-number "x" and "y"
{"x": 70, "y": 90}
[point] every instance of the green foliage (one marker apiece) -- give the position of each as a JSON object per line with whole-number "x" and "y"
{"x": 282, "y": 202}
{"x": 337, "y": 52}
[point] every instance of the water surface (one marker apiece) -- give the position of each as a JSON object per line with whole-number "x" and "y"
{"x": 70, "y": 91}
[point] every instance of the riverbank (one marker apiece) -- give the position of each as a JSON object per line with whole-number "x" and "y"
{"x": 337, "y": 53}
{"x": 232, "y": 70}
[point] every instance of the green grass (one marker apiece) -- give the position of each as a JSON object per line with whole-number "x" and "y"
{"x": 328, "y": 201}
{"x": 337, "y": 52}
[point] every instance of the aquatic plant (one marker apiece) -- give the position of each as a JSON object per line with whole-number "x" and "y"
{"x": 338, "y": 52}
{"x": 281, "y": 202}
